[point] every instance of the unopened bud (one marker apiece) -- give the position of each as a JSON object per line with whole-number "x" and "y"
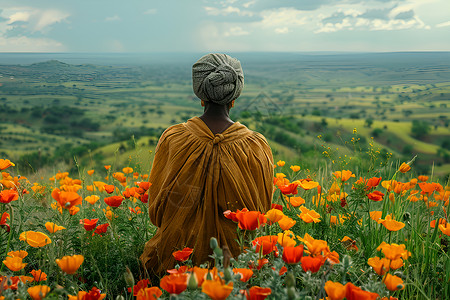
{"x": 291, "y": 293}
{"x": 218, "y": 252}
{"x": 228, "y": 274}
{"x": 290, "y": 280}
{"x": 213, "y": 243}
{"x": 192, "y": 283}
{"x": 120, "y": 297}
{"x": 129, "y": 279}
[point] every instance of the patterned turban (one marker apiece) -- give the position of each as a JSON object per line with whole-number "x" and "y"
{"x": 217, "y": 78}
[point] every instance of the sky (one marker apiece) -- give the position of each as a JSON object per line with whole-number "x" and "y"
{"x": 228, "y": 25}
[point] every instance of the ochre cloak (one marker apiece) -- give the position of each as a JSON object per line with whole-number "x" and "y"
{"x": 195, "y": 177}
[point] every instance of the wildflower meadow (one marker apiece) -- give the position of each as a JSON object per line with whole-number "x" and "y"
{"x": 347, "y": 230}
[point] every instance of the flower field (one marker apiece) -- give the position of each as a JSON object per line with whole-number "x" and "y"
{"x": 379, "y": 232}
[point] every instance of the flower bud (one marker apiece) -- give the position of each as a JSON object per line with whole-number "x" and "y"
{"x": 120, "y": 297}
{"x": 213, "y": 243}
{"x": 129, "y": 279}
{"x": 291, "y": 293}
{"x": 228, "y": 274}
{"x": 290, "y": 280}
{"x": 192, "y": 282}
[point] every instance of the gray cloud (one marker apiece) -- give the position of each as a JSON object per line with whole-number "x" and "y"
{"x": 382, "y": 14}
{"x": 406, "y": 15}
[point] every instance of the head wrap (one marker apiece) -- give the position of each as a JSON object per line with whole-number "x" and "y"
{"x": 217, "y": 78}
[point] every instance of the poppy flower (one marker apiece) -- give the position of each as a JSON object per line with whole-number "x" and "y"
{"x": 282, "y": 271}
{"x": 149, "y": 293}
{"x": 216, "y": 289}
{"x": 379, "y": 265}
{"x": 145, "y": 185}
{"x": 295, "y": 168}
{"x": 119, "y": 176}
{"x": 373, "y": 182}
{"x": 274, "y": 215}
{"x": 265, "y": 244}
{"x": 308, "y": 184}
{"x": 246, "y": 274}
{"x": 250, "y": 220}
{"x": 35, "y": 239}
{"x": 334, "y": 290}
{"x": 101, "y": 229}
{"x": 286, "y": 223}
{"x": 66, "y": 199}
{"x": 14, "y": 263}
{"x": 19, "y": 253}
{"x": 348, "y": 243}
{"x": 70, "y": 264}
{"x": 393, "y": 283}
{"x": 445, "y": 228}
{"x": 38, "y": 275}
{"x": 109, "y": 188}
{"x": 89, "y": 224}
{"x": 353, "y": 292}
{"x": 38, "y": 292}
{"x": 141, "y": 284}
{"x": 422, "y": 178}
{"x": 114, "y": 201}
{"x": 376, "y": 215}
{"x": 52, "y": 227}
{"x": 289, "y": 189}
{"x": 376, "y": 196}
{"x": 258, "y": 293}
{"x": 92, "y": 199}
{"x": 107, "y": 167}
{"x": 5, "y": 163}
{"x": 5, "y": 216}
{"x": 281, "y": 163}
{"x": 394, "y": 251}
{"x": 312, "y": 264}
{"x": 90, "y": 172}
{"x": 296, "y": 201}
{"x": 183, "y": 255}
{"x": 343, "y": 175}
{"x": 390, "y": 224}
{"x": 309, "y": 216}
{"x": 6, "y": 196}
{"x": 174, "y": 283}
{"x": 286, "y": 239}
{"x": 292, "y": 255}
{"x": 404, "y": 168}
{"x": 127, "y": 170}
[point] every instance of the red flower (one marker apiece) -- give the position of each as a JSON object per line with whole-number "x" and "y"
{"x": 145, "y": 185}
{"x": 282, "y": 270}
{"x": 312, "y": 264}
{"x": 353, "y": 292}
{"x": 94, "y": 294}
{"x": 89, "y": 224}
{"x": 290, "y": 189}
{"x": 373, "y": 182}
{"x": 144, "y": 198}
{"x": 292, "y": 255}
{"x": 101, "y": 229}
{"x": 66, "y": 199}
{"x": 258, "y": 293}
{"x": 174, "y": 283}
{"x": 3, "y": 219}
{"x": 277, "y": 206}
{"x": 141, "y": 284}
{"x": 114, "y": 201}
{"x": 376, "y": 196}
{"x": 7, "y": 196}
{"x": 231, "y": 215}
{"x": 267, "y": 243}
{"x": 182, "y": 255}
{"x": 250, "y": 220}
{"x": 109, "y": 188}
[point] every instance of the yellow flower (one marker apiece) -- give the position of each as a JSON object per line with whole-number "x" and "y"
{"x": 286, "y": 223}
{"x": 391, "y": 224}
{"x": 286, "y": 239}
{"x": 394, "y": 251}
{"x": 281, "y": 163}
{"x": 38, "y": 292}
{"x": 274, "y": 215}
{"x": 295, "y": 168}
{"x": 35, "y": 239}
{"x": 52, "y": 227}
{"x": 127, "y": 170}
{"x": 14, "y": 263}
{"x": 309, "y": 216}
{"x": 70, "y": 264}
{"x": 92, "y": 199}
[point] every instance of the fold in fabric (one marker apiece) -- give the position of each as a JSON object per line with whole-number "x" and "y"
{"x": 195, "y": 177}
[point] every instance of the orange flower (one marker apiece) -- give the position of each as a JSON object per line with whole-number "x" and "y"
{"x": 343, "y": 175}
{"x": 6, "y": 196}
{"x": 94, "y": 293}
{"x": 52, "y": 227}
{"x": 5, "y": 163}
{"x": 258, "y": 293}
{"x": 286, "y": 223}
{"x": 89, "y": 224}
{"x": 292, "y": 255}
{"x": 149, "y": 293}
{"x": 393, "y": 283}
{"x": 38, "y": 292}
{"x": 109, "y": 188}
{"x": 127, "y": 170}
{"x": 380, "y": 266}
{"x": 182, "y": 255}
{"x": 376, "y": 215}
{"x": 312, "y": 264}
{"x": 92, "y": 199}
{"x": 404, "y": 168}
{"x": 295, "y": 168}
{"x": 286, "y": 239}
{"x": 373, "y": 182}
{"x": 309, "y": 216}
{"x": 19, "y": 253}
{"x": 101, "y": 229}
{"x": 290, "y": 189}
{"x": 70, "y": 264}
{"x": 422, "y": 178}
{"x": 307, "y": 184}
{"x": 217, "y": 290}
{"x": 348, "y": 243}
{"x": 274, "y": 215}
{"x": 427, "y": 188}
{"x": 35, "y": 239}
{"x": 265, "y": 244}
{"x": 90, "y": 172}
{"x": 376, "y": 196}
{"x": 353, "y": 292}
{"x": 281, "y": 163}
{"x": 445, "y": 228}
{"x": 38, "y": 275}
{"x": 394, "y": 251}
{"x": 114, "y": 201}
{"x": 334, "y": 290}
{"x": 145, "y": 185}
{"x": 66, "y": 199}
{"x": 391, "y": 224}
{"x": 14, "y": 263}
{"x": 174, "y": 283}
{"x": 107, "y": 167}
{"x": 246, "y": 274}
{"x": 296, "y": 201}
{"x": 250, "y": 220}
{"x": 120, "y": 176}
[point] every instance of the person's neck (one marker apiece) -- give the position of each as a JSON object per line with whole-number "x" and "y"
{"x": 216, "y": 112}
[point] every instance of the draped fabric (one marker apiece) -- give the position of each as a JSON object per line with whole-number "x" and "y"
{"x": 195, "y": 177}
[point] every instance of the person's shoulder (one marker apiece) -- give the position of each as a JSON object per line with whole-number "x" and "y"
{"x": 172, "y": 132}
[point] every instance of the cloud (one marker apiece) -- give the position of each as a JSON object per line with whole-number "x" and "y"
{"x": 236, "y": 31}
{"x": 284, "y": 17}
{"x": 150, "y": 11}
{"x": 19, "y": 16}
{"x": 283, "y": 30}
{"x": 444, "y": 24}
{"x": 26, "y": 44}
{"x": 113, "y": 18}
{"x": 49, "y": 17}
{"x": 228, "y": 10}
{"x": 33, "y": 20}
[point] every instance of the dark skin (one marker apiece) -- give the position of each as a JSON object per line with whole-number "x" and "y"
{"x": 216, "y": 116}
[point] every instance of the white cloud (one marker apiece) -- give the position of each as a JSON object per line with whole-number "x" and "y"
{"x": 444, "y": 24}
{"x": 248, "y": 4}
{"x": 282, "y": 30}
{"x": 113, "y": 18}
{"x": 49, "y": 17}
{"x": 150, "y": 11}
{"x": 19, "y": 16}
{"x": 236, "y": 31}
{"x": 284, "y": 17}
{"x": 215, "y": 11}
{"x": 26, "y": 44}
